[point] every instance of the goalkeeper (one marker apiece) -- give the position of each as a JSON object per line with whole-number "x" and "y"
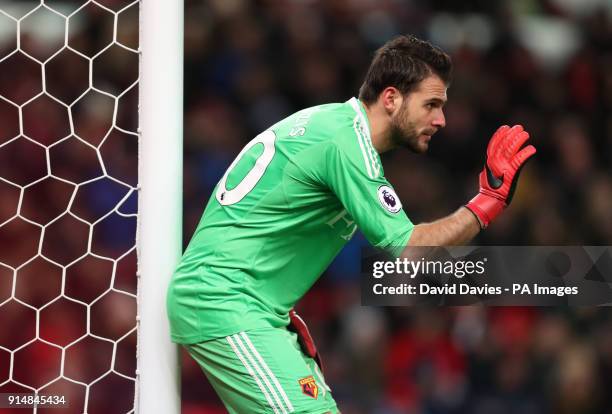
{"x": 286, "y": 206}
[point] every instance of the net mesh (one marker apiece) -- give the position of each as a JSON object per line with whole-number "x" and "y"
{"x": 68, "y": 184}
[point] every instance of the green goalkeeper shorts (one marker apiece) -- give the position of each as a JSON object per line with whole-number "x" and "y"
{"x": 263, "y": 371}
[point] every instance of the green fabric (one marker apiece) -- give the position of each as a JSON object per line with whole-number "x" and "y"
{"x": 259, "y": 371}
{"x": 294, "y": 197}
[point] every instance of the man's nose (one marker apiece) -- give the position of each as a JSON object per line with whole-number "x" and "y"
{"x": 439, "y": 120}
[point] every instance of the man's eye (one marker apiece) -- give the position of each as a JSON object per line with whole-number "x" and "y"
{"x": 430, "y": 105}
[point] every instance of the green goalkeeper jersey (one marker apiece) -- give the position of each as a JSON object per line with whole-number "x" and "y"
{"x": 284, "y": 209}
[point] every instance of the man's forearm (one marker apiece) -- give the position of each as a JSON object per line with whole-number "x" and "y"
{"x": 457, "y": 228}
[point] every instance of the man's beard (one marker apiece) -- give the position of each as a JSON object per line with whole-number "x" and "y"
{"x": 404, "y": 133}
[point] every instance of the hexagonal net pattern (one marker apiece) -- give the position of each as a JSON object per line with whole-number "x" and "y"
{"x": 68, "y": 201}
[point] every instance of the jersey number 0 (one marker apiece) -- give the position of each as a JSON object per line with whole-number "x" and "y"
{"x": 228, "y": 197}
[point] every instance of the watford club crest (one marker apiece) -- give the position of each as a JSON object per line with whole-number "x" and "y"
{"x": 309, "y": 386}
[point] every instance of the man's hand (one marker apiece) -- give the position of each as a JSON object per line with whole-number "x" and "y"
{"x": 501, "y": 171}
{"x": 297, "y": 325}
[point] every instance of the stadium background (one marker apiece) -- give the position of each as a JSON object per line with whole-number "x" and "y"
{"x": 544, "y": 63}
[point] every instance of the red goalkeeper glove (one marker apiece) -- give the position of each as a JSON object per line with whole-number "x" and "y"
{"x": 297, "y": 325}
{"x": 498, "y": 179}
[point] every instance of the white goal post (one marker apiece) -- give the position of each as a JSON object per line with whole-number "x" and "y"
{"x": 160, "y": 200}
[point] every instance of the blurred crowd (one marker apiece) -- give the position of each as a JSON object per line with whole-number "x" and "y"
{"x": 248, "y": 63}
{"x": 546, "y": 64}
{"x": 68, "y": 172}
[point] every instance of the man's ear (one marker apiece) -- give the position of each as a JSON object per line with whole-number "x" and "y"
{"x": 391, "y": 99}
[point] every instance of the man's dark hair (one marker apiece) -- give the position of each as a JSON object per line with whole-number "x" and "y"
{"x": 403, "y": 63}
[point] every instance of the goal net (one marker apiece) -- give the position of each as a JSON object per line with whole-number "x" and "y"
{"x": 69, "y": 195}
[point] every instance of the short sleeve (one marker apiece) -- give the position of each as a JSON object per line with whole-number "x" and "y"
{"x": 353, "y": 172}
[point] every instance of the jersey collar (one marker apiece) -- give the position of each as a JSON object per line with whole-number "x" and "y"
{"x": 360, "y": 110}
